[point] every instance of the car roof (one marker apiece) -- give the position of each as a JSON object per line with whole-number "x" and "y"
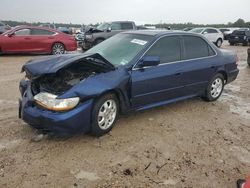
{"x": 34, "y": 27}
{"x": 159, "y": 32}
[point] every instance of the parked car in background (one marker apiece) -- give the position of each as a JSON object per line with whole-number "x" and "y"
{"x": 79, "y": 39}
{"x": 4, "y": 27}
{"x": 95, "y": 36}
{"x": 131, "y": 71}
{"x": 48, "y": 25}
{"x": 39, "y": 40}
{"x": 227, "y": 32}
{"x": 241, "y": 36}
{"x": 187, "y": 28}
{"x": 212, "y": 34}
{"x": 65, "y": 30}
{"x": 248, "y": 56}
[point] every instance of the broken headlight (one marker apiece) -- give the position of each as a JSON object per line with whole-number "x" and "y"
{"x": 50, "y": 102}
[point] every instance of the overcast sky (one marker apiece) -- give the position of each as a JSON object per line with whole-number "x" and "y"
{"x": 141, "y": 11}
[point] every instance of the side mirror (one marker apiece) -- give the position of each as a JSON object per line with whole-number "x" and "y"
{"x": 109, "y": 29}
{"x": 10, "y": 34}
{"x": 149, "y": 61}
{"x": 205, "y": 32}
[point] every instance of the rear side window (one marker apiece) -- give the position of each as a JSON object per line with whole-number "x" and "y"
{"x": 22, "y": 32}
{"x": 126, "y": 26}
{"x": 115, "y": 26}
{"x": 196, "y": 47}
{"x": 41, "y": 32}
{"x": 1, "y": 24}
{"x": 167, "y": 48}
{"x": 211, "y": 31}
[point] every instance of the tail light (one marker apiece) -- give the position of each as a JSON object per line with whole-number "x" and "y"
{"x": 237, "y": 59}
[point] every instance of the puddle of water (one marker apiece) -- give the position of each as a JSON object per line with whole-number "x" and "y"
{"x": 86, "y": 175}
{"x": 170, "y": 182}
{"x": 5, "y": 144}
{"x": 241, "y": 154}
{"x": 237, "y": 104}
{"x": 8, "y": 102}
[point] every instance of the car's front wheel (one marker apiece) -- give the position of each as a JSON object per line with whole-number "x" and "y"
{"x": 219, "y": 43}
{"x": 104, "y": 114}
{"x": 214, "y": 88}
{"x": 58, "y": 48}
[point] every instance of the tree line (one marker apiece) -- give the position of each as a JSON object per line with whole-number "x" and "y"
{"x": 239, "y": 23}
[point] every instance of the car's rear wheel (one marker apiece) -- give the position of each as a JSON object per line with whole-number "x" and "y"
{"x": 214, "y": 88}
{"x": 58, "y": 48}
{"x": 104, "y": 114}
{"x": 219, "y": 43}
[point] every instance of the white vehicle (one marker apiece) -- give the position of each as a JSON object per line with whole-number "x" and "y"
{"x": 212, "y": 34}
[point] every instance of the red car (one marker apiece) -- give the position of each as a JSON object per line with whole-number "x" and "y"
{"x": 39, "y": 40}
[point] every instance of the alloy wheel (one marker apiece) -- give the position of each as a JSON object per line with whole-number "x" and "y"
{"x": 58, "y": 49}
{"x": 216, "y": 87}
{"x": 107, "y": 114}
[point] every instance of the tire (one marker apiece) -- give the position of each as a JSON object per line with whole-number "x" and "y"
{"x": 219, "y": 43}
{"x": 58, "y": 48}
{"x": 104, "y": 115}
{"x": 214, "y": 88}
{"x": 98, "y": 41}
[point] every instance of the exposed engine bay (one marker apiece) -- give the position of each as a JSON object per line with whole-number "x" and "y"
{"x": 65, "y": 78}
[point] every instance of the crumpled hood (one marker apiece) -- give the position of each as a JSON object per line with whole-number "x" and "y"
{"x": 50, "y": 65}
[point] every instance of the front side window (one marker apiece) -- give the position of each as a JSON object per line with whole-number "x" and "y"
{"x": 167, "y": 48}
{"x": 41, "y": 32}
{"x": 22, "y": 32}
{"x": 115, "y": 26}
{"x": 196, "y": 47}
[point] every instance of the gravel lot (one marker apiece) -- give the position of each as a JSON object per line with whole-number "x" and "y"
{"x": 187, "y": 144}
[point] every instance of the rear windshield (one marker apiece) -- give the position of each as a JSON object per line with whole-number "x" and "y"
{"x": 239, "y": 32}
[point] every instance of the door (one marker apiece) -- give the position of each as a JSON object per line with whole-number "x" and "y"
{"x": 199, "y": 64}
{"x": 19, "y": 41}
{"x": 42, "y": 40}
{"x": 211, "y": 34}
{"x": 160, "y": 83}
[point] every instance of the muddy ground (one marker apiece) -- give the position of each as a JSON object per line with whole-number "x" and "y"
{"x": 187, "y": 144}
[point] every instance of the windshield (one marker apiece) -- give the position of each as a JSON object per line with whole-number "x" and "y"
{"x": 197, "y": 30}
{"x": 103, "y": 26}
{"x": 122, "y": 48}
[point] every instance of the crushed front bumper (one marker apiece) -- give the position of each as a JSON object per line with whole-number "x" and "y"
{"x": 66, "y": 123}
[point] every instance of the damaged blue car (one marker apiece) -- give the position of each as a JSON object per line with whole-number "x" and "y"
{"x": 132, "y": 71}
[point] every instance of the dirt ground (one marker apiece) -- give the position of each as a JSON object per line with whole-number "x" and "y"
{"x": 186, "y": 144}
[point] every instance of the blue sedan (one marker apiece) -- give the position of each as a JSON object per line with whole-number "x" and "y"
{"x": 131, "y": 71}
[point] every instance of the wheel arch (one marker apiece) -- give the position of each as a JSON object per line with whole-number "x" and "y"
{"x": 55, "y": 43}
{"x": 122, "y": 99}
{"x": 98, "y": 38}
{"x": 224, "y": 74}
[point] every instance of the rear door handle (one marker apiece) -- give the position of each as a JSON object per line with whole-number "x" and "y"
{"x": 27, "y": 38}
{"x": 51, "y": 37}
